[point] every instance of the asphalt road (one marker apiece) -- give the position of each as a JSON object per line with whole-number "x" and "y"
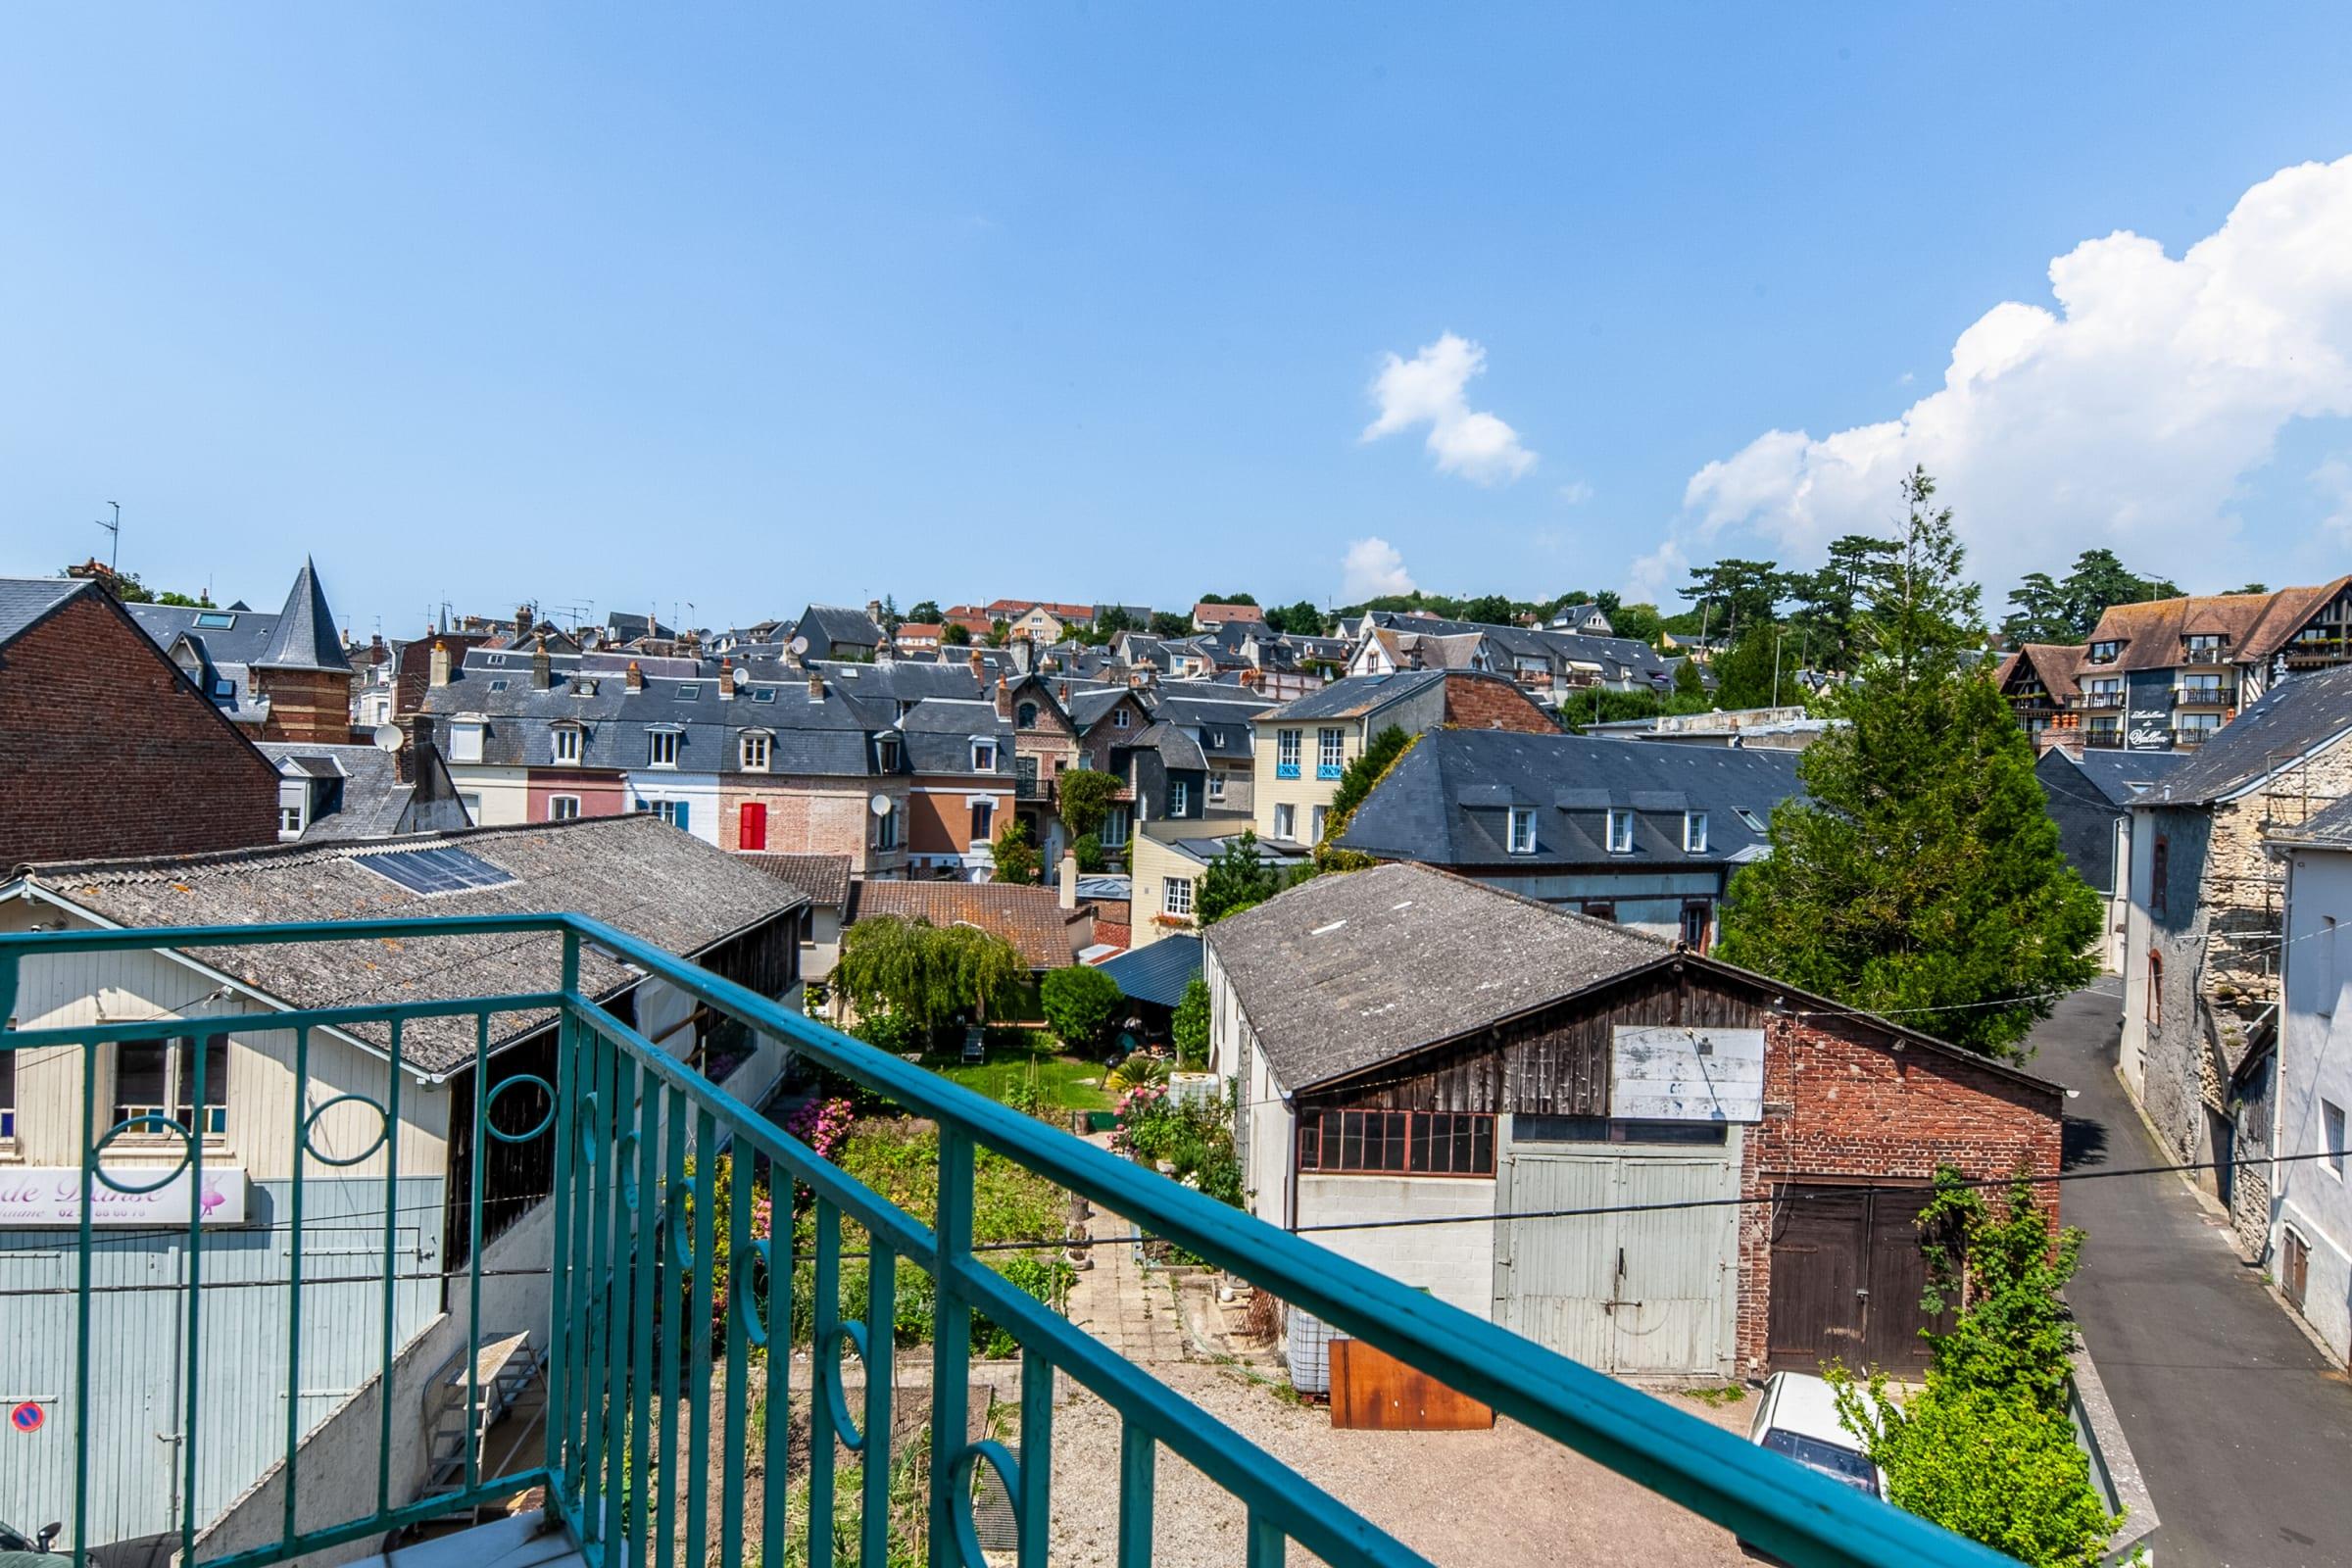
{"x": 2241, "y": 1428}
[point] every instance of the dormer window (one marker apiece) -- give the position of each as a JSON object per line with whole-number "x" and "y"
{"x": 984, "y": 757}
{"x": 886, "y": 754}
{"x": 1523, "y": 829}
{"x": 1621, "y": 831}
{"x": 2205, "y": 645}
{"x": 2106, "y": 653}
{"x": 661, "y": 748}
{"x": 754, "y": 751}
{"x": 465, "y": 741}
{"x": 565, "y": 738}
{"x": 1695, "y": 832}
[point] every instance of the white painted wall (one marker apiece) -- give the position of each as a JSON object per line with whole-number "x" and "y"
{"x": 503, "y": 793}
{"x": 700, "y": 792}
{"x": 1456, "y": 1263}
{"x": 2314, "y": 1196}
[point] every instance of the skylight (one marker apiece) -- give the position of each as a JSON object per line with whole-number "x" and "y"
{"x": 215, "y": 621}
{"x": 1747, "y": 818}
{"x": 688, "y": 690}
{"x": 428, "y": 872}
{"x": 766, "y": 694}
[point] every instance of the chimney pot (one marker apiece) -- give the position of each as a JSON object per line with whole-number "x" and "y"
{"x": 633, "y": 679}
{"x": 726, "y": 680}
{"x": 1003, "y": 698}
{"x": 541, "y": 674}
{"x": 979, "y": 666}
{"x": 439, "y": 663}
{"x": 816, "y": 685}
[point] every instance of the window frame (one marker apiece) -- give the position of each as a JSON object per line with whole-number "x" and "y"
{"x": 1695, "y": 832}
{"x": 984, "y": 755}
{"x": 662, "y": 746}
{"x": 8, "y": 1098}
{"x": 983, "y": 822}
{"x": 1331, "y": 751}
{"x": 1407, "y": 1140}
{"x": 1286, "y": 745}
{"x": 1619, "y": 817}
{"x": 1180, "y": 795}
{"x": 1176, "y": 897}
{"x": 755, "y": 751}
{"x": 2153, "y": 1003}
{"x": 2331, "y": 1139}
{"x": 1214, "y": 794}
{"x": 1515, "y": 818}
{"x": 555, "y": 813}
{"x": 1285, "y": 822}
{"x": 174, "y": 1065}
{"x": 566, "y": 744}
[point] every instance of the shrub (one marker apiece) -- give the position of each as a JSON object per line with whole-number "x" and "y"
{"x": 1089, "y": 851}
{"x": 1188, "y": 1029}
{"x": 1079, "y": 1001}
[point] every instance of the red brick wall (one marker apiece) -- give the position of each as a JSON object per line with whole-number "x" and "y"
{"x": 107, "y": 750}
{"x": 1837, "y": 1102}
{"x": 310, "y": 704}
{"x": 815, "y": 816}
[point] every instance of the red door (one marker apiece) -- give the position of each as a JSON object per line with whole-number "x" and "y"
{"x": 750, "y": 826}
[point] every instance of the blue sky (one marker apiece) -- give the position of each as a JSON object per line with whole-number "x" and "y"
{"x": 743, "y": 309}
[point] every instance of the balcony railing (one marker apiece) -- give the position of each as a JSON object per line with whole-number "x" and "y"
{"x": 2102, "y": 737}
{"x": 2094, "y": 702}
{"x": 2190, "y": 739}
{"x": 634, "y": 1386}
{"x": 2203, "y": 696}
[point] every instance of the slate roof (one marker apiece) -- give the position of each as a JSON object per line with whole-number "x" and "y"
{"x": 1615, "y": 657}
{"x": 2117, "y": 774}
{"x": 1354, "y": 696}
{"x": 824, "y": 878}
{"x": 25, "y": 600}
{"x": 1346, "y": 972}
{"x": 2291, "y": 719}
{"x": 937, "y": 735}
{"x": 370, "y": 801}
{"x": 1447, "y": 800}
{"x": 305, "y": 637}
{"x": 839, "y": 625}
{"x": 828, "y": 736}
{"x": 1031, "y": 918}
{"x": 1176, "y": 749}
{"x": 634, "y": 872}
{"x": 222, "y": 647}
{"x": 1157, "y": 972}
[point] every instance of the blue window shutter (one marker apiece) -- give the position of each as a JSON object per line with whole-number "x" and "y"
{"x": 682, "y": 818}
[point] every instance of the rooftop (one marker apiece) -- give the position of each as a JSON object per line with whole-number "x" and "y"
{"x": 1031, "y": 918}
{"x": 2292, "y": 720}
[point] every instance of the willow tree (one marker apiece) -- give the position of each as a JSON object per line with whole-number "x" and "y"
{"x": 932, "y": 975}
{"x": 1918, "y": 874}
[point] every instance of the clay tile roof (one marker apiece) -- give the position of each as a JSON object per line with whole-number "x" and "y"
{"x": 2057, "y": 663}
{"x": 824, "y": 878}
{"x": 2257, "y": 625}
{"x": 1031, "y": 918}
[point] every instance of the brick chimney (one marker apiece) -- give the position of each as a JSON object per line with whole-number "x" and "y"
{"x": 1004, "y": 699}
{"x": 979, "y": 666}
{"x": 816, "y": 685}
{"x": 523, "y": 622}
{"x": 726, "y": 680}
{"x": 633, "y": 679}
{"x": 1067, "y": 881}
{"x": 439, "y": 665}
{"x": 541, "y": 670}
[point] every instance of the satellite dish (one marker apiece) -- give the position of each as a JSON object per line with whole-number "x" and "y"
{"x": 880, "y": 805}
{"x": 799, "y": 645}
{"x": 388, "y": 738}
{"x": 741, "y": 677}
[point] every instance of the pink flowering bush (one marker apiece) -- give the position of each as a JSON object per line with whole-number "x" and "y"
{"x": 822, "y": 1124}
{"x": 1146, "y": 1122}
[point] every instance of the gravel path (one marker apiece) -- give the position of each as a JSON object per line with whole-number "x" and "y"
{"x": 1500, "y": 1497}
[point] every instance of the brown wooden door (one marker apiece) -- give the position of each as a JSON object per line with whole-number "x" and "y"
{"x": 1898, "y": 1278}
{"x": 1847, "y": 1277}
{"x": 1819, "y": 1242}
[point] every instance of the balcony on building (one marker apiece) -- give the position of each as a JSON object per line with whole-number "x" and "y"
{"x": 2102, "y": 737}
{"x": 521, "y": 1434}
{"x": 2204, "y": 693}
{"x": 2205, "y": 651}
{"x": 2098, "y": 702}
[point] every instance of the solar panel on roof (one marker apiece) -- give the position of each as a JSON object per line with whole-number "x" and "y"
{"x": 427, "y": 872}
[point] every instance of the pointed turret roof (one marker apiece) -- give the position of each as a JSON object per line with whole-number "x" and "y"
{"x": 305, "y": 637}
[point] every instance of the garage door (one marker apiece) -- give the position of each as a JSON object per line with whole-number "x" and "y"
{"x": 1847, "y": 1275}
{"x": 1646, "y": 1292}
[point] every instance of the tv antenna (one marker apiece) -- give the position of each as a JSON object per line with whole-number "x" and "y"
{"x": 114, "y": 531}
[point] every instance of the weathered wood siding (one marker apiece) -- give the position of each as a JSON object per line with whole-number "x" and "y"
{"x": 1551, "y": 1063}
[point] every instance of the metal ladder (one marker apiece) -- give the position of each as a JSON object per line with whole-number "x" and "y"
{"x": 505, "y": 1366}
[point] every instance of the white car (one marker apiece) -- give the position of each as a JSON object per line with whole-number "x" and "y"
{"x": 1798, "y": 1418}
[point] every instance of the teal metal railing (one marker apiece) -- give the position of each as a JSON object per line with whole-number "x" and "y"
{"x": 634, "y": 1216}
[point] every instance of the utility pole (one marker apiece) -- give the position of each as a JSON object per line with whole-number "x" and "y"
{"x": 114, "y": 530}
{"x": 1775, "y": 665}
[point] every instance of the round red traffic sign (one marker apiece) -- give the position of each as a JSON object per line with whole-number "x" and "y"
{"x": 28, "y": 1417}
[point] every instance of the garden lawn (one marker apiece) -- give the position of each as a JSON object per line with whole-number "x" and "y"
{"x": 1059, "y": 1080}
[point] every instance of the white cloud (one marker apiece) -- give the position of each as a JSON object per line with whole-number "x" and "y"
{"x": 1575, "y": 493}
{"x": 1655, "y": 578}
{"x": 2127, "y": 417}
{"x": 1428, "y": 389}
{"x": 1370, "y": 568}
